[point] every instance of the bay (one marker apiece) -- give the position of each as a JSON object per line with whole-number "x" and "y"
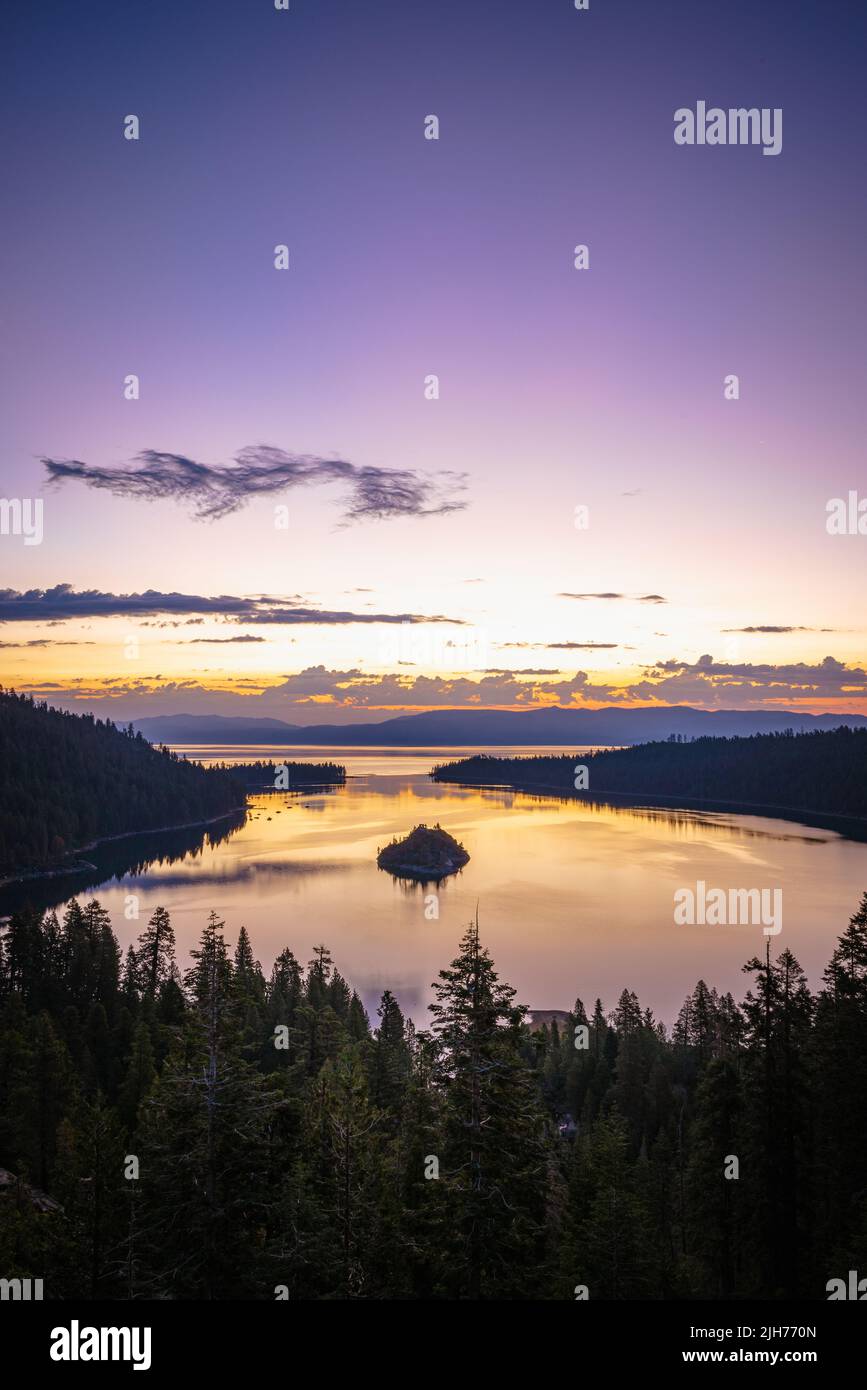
{"x": 574, "y": 898}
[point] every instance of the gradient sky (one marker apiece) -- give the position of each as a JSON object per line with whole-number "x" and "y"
{"x": 559, "y": 388}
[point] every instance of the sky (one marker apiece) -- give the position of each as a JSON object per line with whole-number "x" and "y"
{"x": 284, "y": 522}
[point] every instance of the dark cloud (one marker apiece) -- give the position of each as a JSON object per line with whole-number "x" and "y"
{"x": 770, "y": 628}
{"x": 63, "y": 602}
{"x": 218, "y": 641}
{"x": 316, "y": 615}
{"x": 213, "y": 491}
{"x": 44, "y": 642}
{"x": 747, "y": 684}
{"x": 627, "y": 598}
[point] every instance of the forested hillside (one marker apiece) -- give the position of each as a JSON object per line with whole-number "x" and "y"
{"x": 68, "y": 779}
{"x": 285, "y": 776}
{"x": 218, "y": 1134}
{"x": 822, "y": 772}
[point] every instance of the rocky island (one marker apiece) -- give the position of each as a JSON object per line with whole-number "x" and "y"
{"x": 427, "y": 854}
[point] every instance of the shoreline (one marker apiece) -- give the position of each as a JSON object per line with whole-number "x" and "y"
{"x": 822, "y": 820}
{"x": 61, "y": 871}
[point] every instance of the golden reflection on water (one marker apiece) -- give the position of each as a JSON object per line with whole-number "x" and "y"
{"x": 574, "y": 898}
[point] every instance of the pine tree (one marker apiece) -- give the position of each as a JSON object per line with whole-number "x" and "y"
{"x": 715, "y": 1208}
{"x": 358, "y": 1024}
{"x": 495, "y": 1157}
{"x": 777, "y": 1120}
{"x": 840, "y": 1060}
{"x": 341, "y": 1127}
{"x": 609, "y": 1251}
{"x": 390, "y": 1062}
{"x": 90, "y": 1184}
{"x": 156, "y": 952}
{"x": 139, "y": 1077}
{"x": 208, "y": 1187}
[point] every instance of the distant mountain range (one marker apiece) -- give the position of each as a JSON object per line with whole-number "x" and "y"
{"x": 459, "y": 728}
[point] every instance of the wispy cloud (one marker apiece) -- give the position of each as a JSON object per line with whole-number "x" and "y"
{"x": 769, "y": 629}
{"x": 212, "y": 491}
{"x": 218, "y": 641}
{"x": 44, "y": 642}
{"x": 558, "y": 646}
{"x": 625, "y": 598}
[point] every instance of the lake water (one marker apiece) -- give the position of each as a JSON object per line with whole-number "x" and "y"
{"x": 573, "y": 898}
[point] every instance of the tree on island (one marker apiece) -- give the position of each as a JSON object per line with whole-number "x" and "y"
{"x": 426, "y": 852}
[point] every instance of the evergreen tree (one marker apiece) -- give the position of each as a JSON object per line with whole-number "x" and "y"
{"x": 390, "y": 1065}
{"x": 494, "y": 1154}
{"x": 155, "y": 956}
{"x": 139, "y": 1077}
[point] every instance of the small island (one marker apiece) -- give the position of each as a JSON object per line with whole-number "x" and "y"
{"x": 426, "y": 854}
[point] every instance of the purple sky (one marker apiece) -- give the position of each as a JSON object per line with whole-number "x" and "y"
{"x": 558, "y": 388}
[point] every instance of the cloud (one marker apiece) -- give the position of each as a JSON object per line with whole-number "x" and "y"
{"x": 213, "y": 491}
{"x": 317, "y": 694}
{"x": 316, "y": 615}
{"x": 356, "y": 689}
{"x": 62, "y": 602}
{"x": 43, "y": 642}
{"x": 705, "y": 683}
{"x": 769, "y": 628}
{"x": 218, "y": 641}
{"x": 557, "y": 646}
{"x": 627, "y": 598}
{"x": 731, "y": 685}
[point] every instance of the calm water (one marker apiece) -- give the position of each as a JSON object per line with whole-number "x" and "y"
{"x": 574, "y": 899}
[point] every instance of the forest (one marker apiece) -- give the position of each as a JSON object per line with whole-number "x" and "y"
{"x": 69, "y": 779}
{"x": 823, "y": 772}
{"x": 285, "y": 776}
{"x": 214, "y": 1133}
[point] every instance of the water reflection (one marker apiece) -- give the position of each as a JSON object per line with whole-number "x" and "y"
{"x": 119, "y": 861}
{"x": 575, "y": 896}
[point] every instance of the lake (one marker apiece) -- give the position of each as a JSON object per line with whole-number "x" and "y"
{"x": 573, "y": 898}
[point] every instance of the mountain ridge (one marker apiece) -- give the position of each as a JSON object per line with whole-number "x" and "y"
{"x": 556, "y": 725}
